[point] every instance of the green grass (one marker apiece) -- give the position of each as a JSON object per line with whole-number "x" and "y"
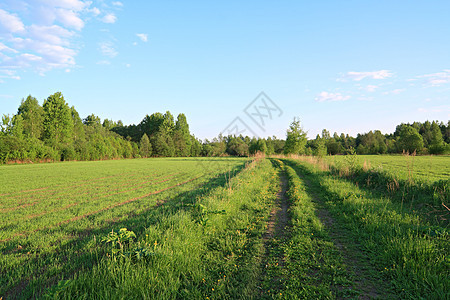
{"x": 311, "y": 266}
{"x": 427, "y": 196}
{"x": 52, "y": 213}
{"x": 199, "y": 227}
{"x": 409, "y": 253}
{"x": 213, "y": 259}
{"x": 424, "y": 168}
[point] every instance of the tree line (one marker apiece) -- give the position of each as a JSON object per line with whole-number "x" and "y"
{"x": 421, "y": 138}
{"x": 56, "y": 132}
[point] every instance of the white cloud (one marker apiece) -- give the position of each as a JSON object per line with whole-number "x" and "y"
{"x": 11, "y": 22}
{"x": 142, "y": 36}
{"x": 394, "y": 92}
{"x": 364, "y": 98}
{"x": 69, "y": 18}
{"x": 6, "y": 48}
{"x": 437, "y": 79}
{"x": 127, "y": 65}
{"x": 47, "y": 38}
{"x": 107, "y": 49}
{"x": 31, "y": 57}
{"x": 103, "y": 62}
{"x": 436, "y": 109}
{"x": 117, "y": 3}
{"x": 95, "y": 11}
{"x": 109, "y": 18}
{"x": 325, "y": 96}
{"x": 51, "y": 34}
{"x": 371, "y": 88}
{"x": 357, "y": 76}
{"x": 75, "y": 5}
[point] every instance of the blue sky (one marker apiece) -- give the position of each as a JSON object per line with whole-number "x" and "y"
{"x": 347, "y": 66}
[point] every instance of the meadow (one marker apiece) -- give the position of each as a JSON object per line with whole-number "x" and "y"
{"x": 426, "y": 168}
{"x": 225, "y": 228}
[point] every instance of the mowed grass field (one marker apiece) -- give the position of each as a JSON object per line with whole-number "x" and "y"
{"x": 224, "y": 228}
{"x": 48, "y": 210}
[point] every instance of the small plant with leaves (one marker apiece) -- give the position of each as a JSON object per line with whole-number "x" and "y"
{"x": 351, "y": 159}
{"x": 200, "y": 213}
{"x": 119, "y": 241}
{"x": 140, "y": 252}
{"x": 56, "y": 291}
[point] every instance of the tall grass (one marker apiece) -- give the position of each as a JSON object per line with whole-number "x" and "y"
{"x": 409, "y": 252}
{"x": 428, "y": 198}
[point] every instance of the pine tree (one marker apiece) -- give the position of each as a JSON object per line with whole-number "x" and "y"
{"x": 295, "y": 139}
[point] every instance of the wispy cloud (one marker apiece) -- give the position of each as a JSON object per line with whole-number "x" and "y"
{"x": 437, "y": 79}
{"x": 436, "y": 109}
{"x": 394, "y": 92}
{"x": 371, "y": 88}
{"x": 328, "y": 97}
{"x": 108, "y": 49}
{"x": 103, "y": 62}
{"x": 117, "y": 3}
{"x": 5, "y": 48}
{"x": 109, "y": 18}
{"x": 358, "y": 76}
{"x": 142, "y": 36}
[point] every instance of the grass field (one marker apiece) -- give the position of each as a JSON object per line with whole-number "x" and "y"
{"x": 426, "y": 168}
{"x": 224, "y": 228}
{"x": 50, "y": 212}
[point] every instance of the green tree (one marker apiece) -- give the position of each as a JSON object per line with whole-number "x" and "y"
{"x": 436, "y": 141}
{"x": 93, "y": 120}
{"x": 318, "y": 147}
{"x": 78, "y": 127}
{"x": 253, "y": 146}
{"x": 270, "y": 146}
{"x": 236, "y": 146}
{"x": 179, "y": 143}
{"x": 410, "y": 139}
{"x": 196, "y": 146}
{"x": 145, "y": 146}
{"x": 162, "y": 144}
{"x": 207, "y": 149}
{"x": 182, "y": 137}
{"x": 32, "y": 114}
{"x": 295, "y": 139}
{"x": 150, "y": 125}
{"x": 6, "y": 125}
{"x": 218, "y": 146}
{"x": 17, "y": 128}
{"x": 168, "y": 123}
{"x": 58, "y": 124}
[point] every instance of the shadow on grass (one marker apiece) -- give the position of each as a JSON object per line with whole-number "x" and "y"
{"x": 390, "y": 238}
{"x": 419, "y": 195}
{"x": 76, "y": 255}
